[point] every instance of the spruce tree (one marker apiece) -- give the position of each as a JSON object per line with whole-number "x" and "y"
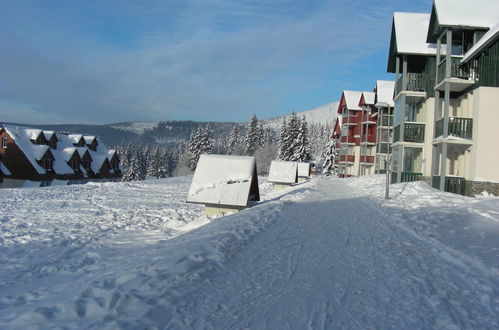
{"x": 233, "y": 140}
{"x": 330, "y": 167}
{"x": 253, "y": 137}
{"x": 301, "y": 151}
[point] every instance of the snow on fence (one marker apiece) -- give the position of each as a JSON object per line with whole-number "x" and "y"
{"x": 283, "y": 174}
{"x": 303, "y": 171}
{"x": 224, "y": 184}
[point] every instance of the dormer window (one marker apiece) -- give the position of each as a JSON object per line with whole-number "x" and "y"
{"x": 74, "y": 164}
{"x": 47, "y": 164}
{"x": 86, "y": 164}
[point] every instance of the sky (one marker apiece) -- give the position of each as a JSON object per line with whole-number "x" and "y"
{"x": 98, "y": 62}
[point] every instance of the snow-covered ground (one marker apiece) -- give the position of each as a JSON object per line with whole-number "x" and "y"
{"x": 329, "y": 253}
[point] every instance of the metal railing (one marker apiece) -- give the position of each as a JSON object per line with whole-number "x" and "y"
{"x": 412, "y": 133}
{"x": 453, "y": 184}
{"x": 459, "y": 127}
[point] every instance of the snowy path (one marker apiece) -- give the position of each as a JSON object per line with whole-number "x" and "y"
{"x": 327, "y": 254}
{"x": 340, "y": 263}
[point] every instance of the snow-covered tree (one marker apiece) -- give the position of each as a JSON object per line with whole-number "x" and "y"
{"x": 200, "y": 142}
{"x": 134, "y": 170}
{"x": 233, "y": 140}
{"x": 301, "y": 150}
{"x": 330, "y": 167}
{"x": 253, "y": 137}
{"x": 157, "y": 166}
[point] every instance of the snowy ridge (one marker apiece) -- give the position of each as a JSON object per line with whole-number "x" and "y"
{"x": 324, "y": 114}
{"x": 137, "y": 127}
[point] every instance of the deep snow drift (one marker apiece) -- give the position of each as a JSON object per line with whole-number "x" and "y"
{"x": 329, "y": 253}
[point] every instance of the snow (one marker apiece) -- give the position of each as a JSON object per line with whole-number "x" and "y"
{"x": 224, "y": 180}
{"x": 368, "y": 98}
{"x": 283, "y": 172}
{"x": 461, "y": 13}
{"x": 33, "y": 152}
{"x": 329, "y": 253}
{"x": 352, "y": 99}
{"x": 136, "y": 127}
{"x": 384, "y": 93}
{"x": 410, "y": 33}
{"x": 487, "y": 38}
{"x": 325, "y": 114}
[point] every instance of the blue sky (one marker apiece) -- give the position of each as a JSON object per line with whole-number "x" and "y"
{"x": 71, "y": 61}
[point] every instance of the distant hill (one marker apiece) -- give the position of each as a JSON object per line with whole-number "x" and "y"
{"x": 172, "y": 133}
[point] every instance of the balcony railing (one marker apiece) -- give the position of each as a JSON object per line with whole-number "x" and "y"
{"x": 406, "y": 177}
{"x": 382, "y": 148}
{"x": 385, "y": 121}
{"x": 347, "y": 158}
{"x": 351, "y": 139}
{"x": 370, "y": 138}
{"x": 367, "y": 159}
{"x": 459, "y": 127}
{"x": 415, "y": 82}
{"x": 412, "y": 133}
{"x": 453, "y": 184}
{"x": 455, "y": 70}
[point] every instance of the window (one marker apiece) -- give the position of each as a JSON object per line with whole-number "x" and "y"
{"x": 47, "y": 164}
{"x": 5, "y": 142}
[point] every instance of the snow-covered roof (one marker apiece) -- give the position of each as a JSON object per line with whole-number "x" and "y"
{"x": 89, "y": 139}
{"x": 48, "y": 134}
{"x": 352, "y": 99}
{"x": 368, "y": 98}
{"x": 384, "y": 93}
{"x": 224, "y": 180}
{"x": 75, "y": 138}
{"x": 467, "y": 13}
{"x": 22, "y": 137}
{"x": 98, "y": 160}
{"x": 410, "y": 33}
{"x": 485, "y": 41}
{"x": 303, "y": 169}
{"x": 283, "y": 172}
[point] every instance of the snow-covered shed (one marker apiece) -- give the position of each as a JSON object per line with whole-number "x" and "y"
{"x": 283, "y": 174}
{"x": 303, "y": 171}
{"x": 224, "y": 184}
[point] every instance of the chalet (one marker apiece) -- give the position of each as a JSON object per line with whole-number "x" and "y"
{"x": 44, "y": 156}
{"x": 283, "y": 174}
{"x": 224, "y": 184}
{"x": 383, "y": 102}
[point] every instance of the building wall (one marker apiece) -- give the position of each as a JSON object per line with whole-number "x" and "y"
{"x": 429, "y": 108}
{"x": 484, "y": 161}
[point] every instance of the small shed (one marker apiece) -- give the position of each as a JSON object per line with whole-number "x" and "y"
{"x": 303, "y": 171}
{"x": 224, "y": 184}
{"x": 283, "y": 174}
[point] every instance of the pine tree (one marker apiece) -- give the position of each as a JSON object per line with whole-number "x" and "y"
{"x": 301, "y": 151}
{"x": 330, "y": 167}
{"x": 283, "y": 142}
{"x": 253, "y": 137}
{"x": 199, "y": 143}
{"x": 133, "y": 172}
{"x": 233, "y": 140}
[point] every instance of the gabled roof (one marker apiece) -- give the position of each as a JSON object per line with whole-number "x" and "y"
{"x": 488, "y": 38}
{"x": 32, "y": 133}
{"x": 367, "y": 98}
{"x": 89, "y": 139}
{"x": 351, "y": 99}
{"x": 384, "y": 93}
{"x": 49, "y": 134}
{"x": 466, "y": 14}
{"x": 283, "y": 172}
{"x": 224, "y": 180}
{"x": 408, "y": 37}
{"x": 75, "y": 138}
{"x": 22, "y": 137}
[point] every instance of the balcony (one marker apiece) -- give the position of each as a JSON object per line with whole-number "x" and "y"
{"x": 453, "y": 184}
{"x": 415, "y": 82}
{"x": 368, "y": 139}
{"x": 406, "y": 177}
{"x": 386, "y": 121}
{"x": 367, "y": 159}
{"x": 350, "y": 120}
{"x": 412, "y": 133}
{"x": 459, "y": 79}
{"x": 350, "y": 138}
{"x": 382, "y": 148}
{"x": 368, "y": 119}
{"x": 458, "y": 127}
{"x": 347, "y": 158}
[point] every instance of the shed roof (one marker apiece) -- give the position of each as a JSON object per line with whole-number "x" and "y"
{"x": 384, "y": 93}
{"x": 224, "y": 180}
{"x": 303, "y": 169}
{"x": 283, "y": 172}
